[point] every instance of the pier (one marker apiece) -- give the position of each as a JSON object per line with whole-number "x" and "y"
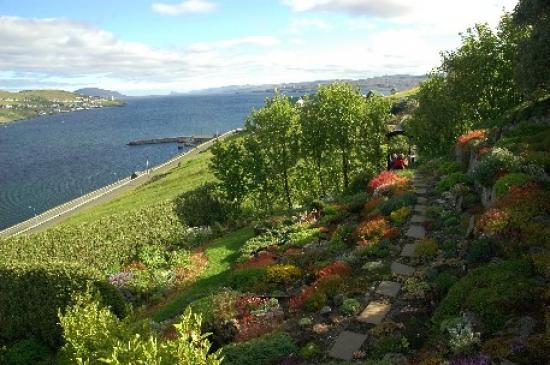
{"x": 188, "y": 140}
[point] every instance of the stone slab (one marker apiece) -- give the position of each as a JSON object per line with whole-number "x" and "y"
{"x": 346, "y": 344}
{"x": 421, "y": 191}
{"x": 416, "y": 232}
{"x": 388, "y": 288}
{"x": 401, "y": 269}
{"x": 418, "y": 219}
{"x": 374, "y": 313}
{"x": 419, "y": 208}
{"x": 421, "y": 200}
{"x": 409, "y": 250}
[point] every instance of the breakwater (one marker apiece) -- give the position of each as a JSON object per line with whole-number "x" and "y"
{"x": 188, "y": 140}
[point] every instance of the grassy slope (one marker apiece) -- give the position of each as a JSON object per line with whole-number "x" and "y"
{"x": 221, "y": 253}
{"x": 192, "y": 172}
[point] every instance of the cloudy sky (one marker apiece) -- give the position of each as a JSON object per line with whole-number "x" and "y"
{"x": 143, "y": 47}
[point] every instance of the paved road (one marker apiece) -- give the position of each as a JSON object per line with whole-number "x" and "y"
{"x": 57, "y": 214}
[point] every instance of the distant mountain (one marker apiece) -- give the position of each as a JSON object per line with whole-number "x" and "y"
{"x": 94, "y": 91}
{"x": 382, "y": 84}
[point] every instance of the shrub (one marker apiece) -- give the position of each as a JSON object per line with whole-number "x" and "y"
{"x": 385, "y": 179}
{"x": 26, "y": 352}
{"x": 446, "y": 168}
{"x": 451, "y": 180}
{"x": 335, "y": 268}
{"x": 372, "y": 229}
{"x": 331, "y": 285}
{"x": 103, "y": 244}
{"x": 309, "y": 351}
{"x": 265, "y": 350}
{"x": 316, "y": 301}
{"x": 32, "y": 294}
{"x": 482, "y": 249}
{"x": 415, "y": 288}
{"x": 494, "y": 292}
{"x": 247, "y": 279}
{"x": 396, "y": 202}
{"x": 283, "y": 274}
{"x": 354, "y": 202}
{"x": 494, "y": 164}
{"x": 202, "y": 206}
{"x": 350, "y": 307}
{"x": 400, "y": 215}
{"x": 224, "y": 305}
{"x": 478, "y": 134}
{"x": 426, "y": 248}
{"x": 93, "y": 334}
{"x": 462, "y": 338}
{"x": 504, "y": 183}
{"x": 371, "y": 205}
{"x": 344, "y": 233}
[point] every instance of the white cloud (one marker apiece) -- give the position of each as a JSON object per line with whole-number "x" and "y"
{"x": 185, "y": 7}
{"x": 299, "y": 25}
{"x": 381, "y": 8}
{"x": 261, "y": 41}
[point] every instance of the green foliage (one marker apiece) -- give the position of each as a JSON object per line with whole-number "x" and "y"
{"x": 504, "y": 183}
{"x": 482, "y": 249}
{"x": 427, "y": 248}
{"x": 247, "y": 279}
{"x": 462, "y": 338}
{"x": 397, "y": 202}
{"x": 26, "y": 352}
{"x": 103, "y": 244}
{"x": 309, "y": 351}
{"x": 121, "y": 342}
{"x": 400, "y": 215}
{"x": 350, "y": 307}
{"x": 282, "y": 274}
{"x": 203, "y": 206}
{"x": 32, "y": 294}
{"x": 451, "y": 180}
{"x": 265, "y": 350}
{"x": 448, "y": 167}
{"x": 316, "y": 301}
{"x": 344, "y": 233}
{"x": 494, "y": 292}
{"x": 498, "y": 161}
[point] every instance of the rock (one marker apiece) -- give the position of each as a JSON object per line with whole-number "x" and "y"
{"x": 367, "y": 297}
{"x": 416, "y": 232}
{"x": 338, "y": 300}
{"x": 418, "y": 219}
{"x": 421, "y": 200}
{"x": 458, "y": 205}
{"x": 325, "y": 311}
{"x": 409, "y": 250}
{"x": 421, "y": 191}
{"x": 471, "y": 226}
{"x": 388, "y": 288}
{"x": 401, "y": 269}
{"x": 396, "y": 359}
{"x": 374, "y": 313}
{"x": 347, "y": 343}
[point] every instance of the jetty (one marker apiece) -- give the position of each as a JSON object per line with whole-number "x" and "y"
{"x": 187, "y": 140}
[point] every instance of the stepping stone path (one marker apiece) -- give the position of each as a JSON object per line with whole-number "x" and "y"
{"x": 409, "y": 250}
{"x": 421, "y": 191}
{"x": 421, "y": 200}
{"x": 401, "y": 269}
{"x": 374, "y": 313}
{"x": 346, "y": 345}
{"x": 388, "y": 288}
{"x": 418, "y": 219}
{"x": 416, "y": 232}
{"x": 419, "y": 208}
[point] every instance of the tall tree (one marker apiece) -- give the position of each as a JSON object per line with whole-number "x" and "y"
{"x": 275, "y": 127}
{"x": 342, "y": 106}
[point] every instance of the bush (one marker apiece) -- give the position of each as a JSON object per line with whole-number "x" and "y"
{"x": 93, "y": 335}
{"x": 309, "y": 351}
{"x": 400, "y": 215}
{"x": 283, "y": 274}
{"x": 396, "y": 202}
{"x": 103, "y": 244}
{"x": 265, "y": 350}
{"x": 350, "y": 307}
{"x": 344, "y": 233}
{"x": 451, "y": 180}
{"x": 247, "y": 279}
{"x": 202, "y": 206}
{"x": 504, "y": 183}
{"x": 494, "y": 292}
{"x": 482, "y": 250}
{"x": 26, "y": 352}
{"x": 498, "y": 162}
{"x": 32, "y": 295}
{"x": 426, "y": 248}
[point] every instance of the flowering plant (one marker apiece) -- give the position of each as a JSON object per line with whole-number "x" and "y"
{"x": 478, "y": 134}
{"x": 336, "y": 268}
{"x": 372, "y": 229}
{"x": 385, "y": 179}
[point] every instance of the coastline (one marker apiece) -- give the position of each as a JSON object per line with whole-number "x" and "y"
{"x": 105, "y": 194}
{"x": 21, "y": 115}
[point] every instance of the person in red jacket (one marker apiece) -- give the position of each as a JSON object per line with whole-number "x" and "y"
{"x": 400, "y": 163}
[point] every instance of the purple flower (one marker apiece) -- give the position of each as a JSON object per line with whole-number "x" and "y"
{"x": 476, "y": 360}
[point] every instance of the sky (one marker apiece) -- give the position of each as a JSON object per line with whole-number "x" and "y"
{"x": 141, "y": 47}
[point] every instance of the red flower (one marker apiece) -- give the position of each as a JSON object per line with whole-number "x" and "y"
{"x": 470, "y": 136}
{"x": 336, "y": 268}
{"x": 385, "y": 178}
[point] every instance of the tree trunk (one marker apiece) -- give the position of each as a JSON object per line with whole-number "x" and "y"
{"x": 287, "y": 188}
{"x": 345, "y": 168}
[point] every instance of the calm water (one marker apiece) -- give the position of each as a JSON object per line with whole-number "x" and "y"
{"x": 48, "y": 160}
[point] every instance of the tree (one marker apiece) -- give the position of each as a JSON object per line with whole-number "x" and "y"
{"x": 229, "y": 164}
{"x": 342, "y": 108}
{"x": 531, "y": 69}
{"x": 372, "y": 133}
{"x": 275, "y": 127}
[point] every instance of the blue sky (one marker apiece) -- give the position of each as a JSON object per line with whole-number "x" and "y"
{"x": 143, "y": 46}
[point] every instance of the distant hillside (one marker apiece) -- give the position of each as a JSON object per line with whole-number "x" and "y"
{"x": 383, "y": 84}
{"x": 94, "y": 91}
